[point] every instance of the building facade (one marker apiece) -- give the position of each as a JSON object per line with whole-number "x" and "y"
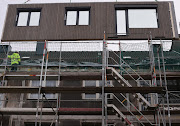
{"x": 90, "y": 64}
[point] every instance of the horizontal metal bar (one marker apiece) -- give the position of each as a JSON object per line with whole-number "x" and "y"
{"x": 80, "y": 75}
{"x": 66, "y": 111}
{"x": 26, "y": 89}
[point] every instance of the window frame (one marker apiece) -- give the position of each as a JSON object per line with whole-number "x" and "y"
{"x": 98, "y": 95}
{"x": 84, "y": 94}
{"x": 134, "y": 6}
{"x": 77, "y": 9}
{"x": 143, "y": 9}
{"x": 29, "y": 10}
{"x": 127, "y": 22}
{"x": 43, "y": 85}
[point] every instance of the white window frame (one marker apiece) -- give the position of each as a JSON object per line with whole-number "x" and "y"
{"x": 43, "y": 85}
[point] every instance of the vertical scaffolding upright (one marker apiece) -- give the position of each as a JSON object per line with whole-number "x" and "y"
{"x": 157, "y": 50}
{"x": 40, "y": 84}
{"x": 6, "y": 62}
{"x": 59, "y": 81}
{"x": 167, "y": 95}
{"x": 104, "y": 65}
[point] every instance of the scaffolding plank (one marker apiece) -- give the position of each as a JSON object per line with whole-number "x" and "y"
{"x": 25, "y": 89}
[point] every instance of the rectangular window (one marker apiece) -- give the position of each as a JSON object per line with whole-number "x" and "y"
{"x": 51, "y": 84}
{"x": 83, "y": 18}
{"x": 142, "y": 18}
{"x": 23, "y": 18}
{"x": 28, "y": 17}
{"x": 77, "y": 16}
{"x": 35, "y": 83}
{"x": 95, "y": 84}
{"x": 90, "y": 84}
{"x": 135, "y": 18}
{"x": 71, "y": 18}
{"x": 34, "y": 19}
{"x": 121, "y": 22}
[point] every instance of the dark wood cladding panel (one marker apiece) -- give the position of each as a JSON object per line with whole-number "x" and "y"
{"x": 102, "y": 18}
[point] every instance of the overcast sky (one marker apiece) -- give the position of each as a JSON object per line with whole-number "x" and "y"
{"x": 4, "y": 3}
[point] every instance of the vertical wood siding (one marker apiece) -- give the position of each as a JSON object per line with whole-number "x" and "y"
{"x": 102, "y": 18}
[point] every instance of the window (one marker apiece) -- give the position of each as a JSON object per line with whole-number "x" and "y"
{"x": 35, "y": 83}
{"x": 28, "y": 17}
{"x": 121, "y": 22}
{"x": 135, "y": 18}
{"x": 142, "y": 18}
{"x": 77, "y": 16}
{"x": 95, "y": 84}
{"x": 90, "y": 84}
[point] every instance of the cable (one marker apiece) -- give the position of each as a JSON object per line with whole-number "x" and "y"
{"x": 26, "y": 1}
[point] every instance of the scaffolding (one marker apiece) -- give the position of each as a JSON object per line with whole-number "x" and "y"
{"x": 109, "y": 65}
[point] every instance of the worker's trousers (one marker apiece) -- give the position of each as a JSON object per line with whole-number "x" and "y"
{"x": 14, "y": 67}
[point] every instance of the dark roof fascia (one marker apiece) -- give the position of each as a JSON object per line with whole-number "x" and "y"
{"x": 135, "y": 6}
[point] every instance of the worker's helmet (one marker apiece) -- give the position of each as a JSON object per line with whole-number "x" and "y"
{"x": 16, "y": 51}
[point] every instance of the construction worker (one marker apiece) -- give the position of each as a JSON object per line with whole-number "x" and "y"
{"x": 15, "y": 60}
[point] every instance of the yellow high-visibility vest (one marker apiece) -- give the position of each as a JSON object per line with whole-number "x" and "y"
{"x": 15, "y": 58}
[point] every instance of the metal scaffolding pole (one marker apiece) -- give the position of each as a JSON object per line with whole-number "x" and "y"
{"x": 4, "y": 73}
{"x": 154, "y": 96}
{"x": 167, "y": 95}
{"x": 161, "y": 84}
{"x": 44, "y": 82}
{"x": 40, "y": 83}
{"x": 58, "y": 95}
{"x": 42, "y": 95}
{"x": 104, "y": 82}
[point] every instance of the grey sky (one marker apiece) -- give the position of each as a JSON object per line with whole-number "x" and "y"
{"x": 4, "y": 3}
